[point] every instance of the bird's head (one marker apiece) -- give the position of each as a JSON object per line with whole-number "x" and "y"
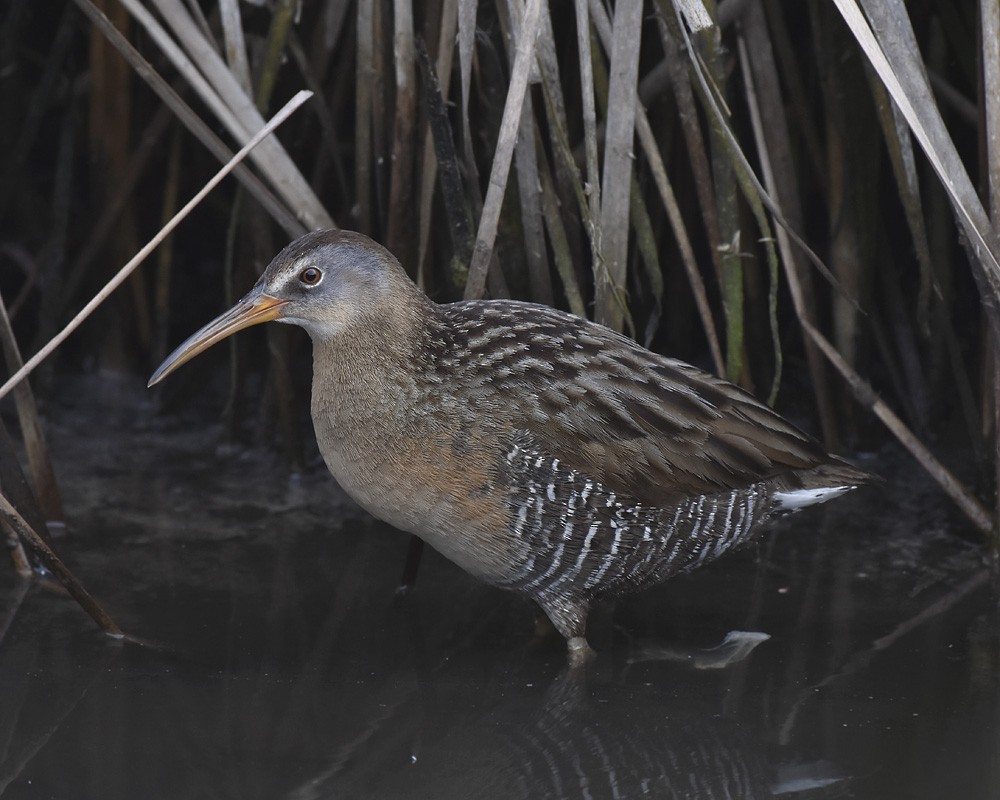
{"x": 325, "y": 282}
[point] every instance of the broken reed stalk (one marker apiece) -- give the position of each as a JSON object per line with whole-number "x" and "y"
{"x": 162, "y": 234}
{"x": 55, "y": 565}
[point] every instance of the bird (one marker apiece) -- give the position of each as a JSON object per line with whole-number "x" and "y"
{"x": 539, "y": 451}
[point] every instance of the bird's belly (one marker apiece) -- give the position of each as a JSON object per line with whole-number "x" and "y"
{"x": 416, "y": 485}
{"x": 533, "y": 525}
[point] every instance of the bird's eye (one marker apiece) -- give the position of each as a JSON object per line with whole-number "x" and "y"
{"x": 310, "y": 276}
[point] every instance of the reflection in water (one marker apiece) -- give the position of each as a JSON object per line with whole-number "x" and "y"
{"x": 579, "y": 741}
{"x": 284, "y": 668}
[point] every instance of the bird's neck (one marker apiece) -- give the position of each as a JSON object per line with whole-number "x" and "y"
{"x": 372, "y": 366}
{"x": 369, "y": 386}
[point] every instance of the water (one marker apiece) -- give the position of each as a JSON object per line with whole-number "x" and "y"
{"x": 277, "y": 661}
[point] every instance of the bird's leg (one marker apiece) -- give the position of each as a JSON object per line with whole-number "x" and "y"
{"x": 579, "y": 651}
{"x": 413, "y": 555}
{"x": 570, "y": 619}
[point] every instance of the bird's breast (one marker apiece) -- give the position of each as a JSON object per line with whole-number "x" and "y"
{"x": 426, "y": 473}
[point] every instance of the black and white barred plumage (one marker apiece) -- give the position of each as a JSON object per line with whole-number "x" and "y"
{"x": 581, "y": 542}
{"x": 580, "y": 537}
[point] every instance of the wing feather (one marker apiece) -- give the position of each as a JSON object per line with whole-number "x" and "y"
{"x": 644, "y": 425}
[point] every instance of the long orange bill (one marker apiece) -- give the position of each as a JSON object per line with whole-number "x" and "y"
{"x": 253, "y": 309}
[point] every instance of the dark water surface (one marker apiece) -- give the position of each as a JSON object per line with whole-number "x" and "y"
{"x": 279, "y": 664}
